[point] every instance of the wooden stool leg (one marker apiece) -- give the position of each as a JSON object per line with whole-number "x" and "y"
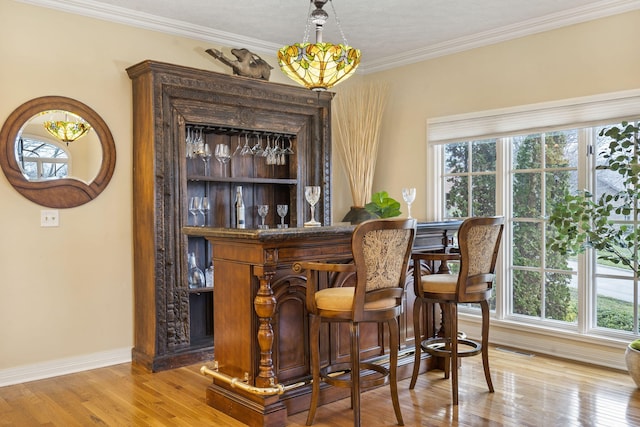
{"x": 417, "y": 332}
{"x": 445, "y": 315}
{"x": 394, "y": 343}
{"x": 314, "y": 348}
{"x": 484, "y": 305}
{"x": 355, "y": 372}
{"x": 452, "y": 312}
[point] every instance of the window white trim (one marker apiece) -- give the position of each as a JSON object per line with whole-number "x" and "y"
{"x": 579, "y": 112}
{"x": 598, "y": 346}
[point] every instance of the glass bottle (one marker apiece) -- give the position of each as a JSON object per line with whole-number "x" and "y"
{"x": 208, "y": 276}
{"x": 240, "y": 223}
{"x": 196, "y": 276}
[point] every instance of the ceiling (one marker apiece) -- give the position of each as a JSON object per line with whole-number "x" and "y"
{"x": 389, "y": 33}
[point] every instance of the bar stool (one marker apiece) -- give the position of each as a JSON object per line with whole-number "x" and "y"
{"x": 479, "y": 240}
{"x": 381, "y": 250}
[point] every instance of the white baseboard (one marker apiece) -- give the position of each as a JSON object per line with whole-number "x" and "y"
{"x": 58, "y": 367}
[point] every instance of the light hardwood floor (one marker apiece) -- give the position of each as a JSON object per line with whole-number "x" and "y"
{"x": 530, "y": 391}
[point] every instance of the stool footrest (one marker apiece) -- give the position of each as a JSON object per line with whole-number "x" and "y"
{"x": 339, "y": 375}
{"x": 438, "y": 347}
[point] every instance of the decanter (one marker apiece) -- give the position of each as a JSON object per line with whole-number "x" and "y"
{"x": 196, "y": 276}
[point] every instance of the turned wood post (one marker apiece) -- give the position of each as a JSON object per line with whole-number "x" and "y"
{"x": 265, "y": 305}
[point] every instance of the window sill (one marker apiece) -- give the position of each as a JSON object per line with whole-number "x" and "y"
{"x": 528, "y": 338}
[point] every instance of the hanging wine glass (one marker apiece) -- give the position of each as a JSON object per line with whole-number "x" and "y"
{"x": 246, "y": 149}
{"x": 312, "y": 195}
{"x": 266, "y": 153}
{"x": 289, "y": 149}
{"x": 280, "y": 151}
{"x": 238, "y": 149}
{"x": 257, "y": 150}
{"x": 409, "y": 195}
{"x": 189, "y": 143}
{"x": 263, "y": 210}
{"x": 282, "y": 212}
{"x": 198, "y": 142}
{"x": 223, "y": 156}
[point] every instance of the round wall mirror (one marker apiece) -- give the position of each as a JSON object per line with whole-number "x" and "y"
{"x": 57, "y": 152}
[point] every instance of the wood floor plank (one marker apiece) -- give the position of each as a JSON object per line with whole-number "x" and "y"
{"x": 531, "y": 391}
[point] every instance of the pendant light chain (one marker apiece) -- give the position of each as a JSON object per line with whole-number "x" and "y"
{"x": 307, "y": 28}
{"x": 338, "y": 24}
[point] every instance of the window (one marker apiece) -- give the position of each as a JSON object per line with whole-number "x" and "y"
{"x": 613, "y": 283}
{"x": 520, "y": 173}
{"x": 40, "y": 160}
{"x": 470, "y": 179}
{"x": 543, "y": 167}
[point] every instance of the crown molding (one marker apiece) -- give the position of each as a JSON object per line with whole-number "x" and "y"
{"x": 497, "y": 35}
{"x": 147, "y": 21}
{"x": 120, "y": 15}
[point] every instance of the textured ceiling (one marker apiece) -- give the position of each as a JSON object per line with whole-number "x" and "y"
{"x": 389, "y": 33}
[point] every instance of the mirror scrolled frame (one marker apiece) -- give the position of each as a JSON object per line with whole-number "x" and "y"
{"x": 64, "y": 192}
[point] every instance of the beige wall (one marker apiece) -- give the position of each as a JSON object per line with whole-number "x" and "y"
{"x": 66, "y": 292}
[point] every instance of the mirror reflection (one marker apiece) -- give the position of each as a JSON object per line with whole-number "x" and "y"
{"x": 56, "y": 144}
{"x": 67, "y": 165}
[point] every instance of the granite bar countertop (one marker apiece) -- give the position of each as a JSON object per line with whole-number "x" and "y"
{"x": 269, "y": 233}
{"x": 296, "y": 232}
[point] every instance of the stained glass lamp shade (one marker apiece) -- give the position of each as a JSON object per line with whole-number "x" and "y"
{"x": 318, "y": 66}
{"x": 67, "y": 131}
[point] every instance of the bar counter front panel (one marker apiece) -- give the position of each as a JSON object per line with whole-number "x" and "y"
{"x": 260, "y": 318}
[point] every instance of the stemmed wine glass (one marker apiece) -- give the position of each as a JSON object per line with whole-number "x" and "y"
{"x": 223, "y": 155}
{"x": 189, "y": 140}
{"x": 263, "y": 210}
{"x": 204, "y": 209}
{"x": 195, "y": 203}
{"x": 282, "y": 212}
{"x": 312, "y": 195}
{"x": 289, "y": 149}
{"x": 246, "y": 149}
{"x": 206, "y": 156}
{"x": 257, "y": 150}
{"x": 197, "y": 142}
{"x": 238, "y": 149}
{"x": 409, "y": 195}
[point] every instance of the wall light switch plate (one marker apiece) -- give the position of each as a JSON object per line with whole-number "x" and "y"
{"x": 49, "y": 218}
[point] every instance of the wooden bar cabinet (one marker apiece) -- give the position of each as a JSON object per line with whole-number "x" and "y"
{"x": 173, "y": 105}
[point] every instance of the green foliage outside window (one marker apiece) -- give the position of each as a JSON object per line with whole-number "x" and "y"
{"x": 584, "y": 222}
{"x": 528, "y": 241}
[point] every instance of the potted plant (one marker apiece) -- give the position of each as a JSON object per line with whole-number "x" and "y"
{"x": 581, "y": 221}
{"x": 383, "y": 206}
{"x": 632, "y": 359}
